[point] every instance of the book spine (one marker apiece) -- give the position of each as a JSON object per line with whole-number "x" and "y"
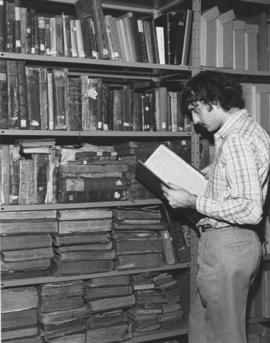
{"x": 74, "y": 111}
{"x": 17, "y": 26}
{"x": 4, "y": 117}
{"x": 23, "y": 15}
{"x": 2, "y": 25}
{"x": 74, "y": 52}
{"x": 79, "y": 39}
{"x": 22, "y": 86}
{"x": 43, "y": 99}
{"x": 60, "y": 96}
{"x": 13, "y": 95}
{"x": 100, "y": 29}
{"x": 10, "y": 26}
{"x": 41, "y": 35}
{"x": 32, "y": 79}
{"x": 59, "y": 35}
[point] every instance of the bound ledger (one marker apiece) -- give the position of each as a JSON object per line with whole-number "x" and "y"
{"x": 164, "y": 167}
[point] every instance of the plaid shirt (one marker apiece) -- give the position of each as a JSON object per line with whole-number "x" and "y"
{"x": 238, "y": 180}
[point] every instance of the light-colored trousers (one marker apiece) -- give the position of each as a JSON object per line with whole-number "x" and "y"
{"x": 227, "y": 263}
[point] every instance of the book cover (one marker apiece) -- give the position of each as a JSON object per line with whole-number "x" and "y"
{"x": 18, "y": 299}
{"x": 20, "y": 242}
{"x": 164, "y": 166}
{"x": 13, "y": 95}
{"x": 49, "y": 304}
{"x": 107, "y": 319}
{"x": 106, "y": 292}
{"x": 10, "y": 26}
{"x": 82, "y": 267}
{"x": 119, "y": 280}
{"x": 117, "y": 333}
{"x": 109, "y": 304}
{"x": 2, "y": 25}
{"x": 4, "y": 116}
{"x": 16, "y": 319}
{"x": 60, "y": 98}
{"x": 63, "y": 289}
{"x": 33, "y": 96}
{"x": 239, "y": 44}
{"x": 74, "y": 103}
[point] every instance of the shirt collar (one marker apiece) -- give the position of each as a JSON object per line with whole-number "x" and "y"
{"x": 231, "y": 123}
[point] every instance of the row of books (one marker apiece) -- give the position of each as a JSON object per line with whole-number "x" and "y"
{"x": 40, "y": 172}
{"x": 231, "y": 42}
{"x": 111, "y": 309}
{"x": 257, "y": 101}
{"x": 41, "y": 98}
{"x": 165, "y": 39}
{"x": 70, "y": 242}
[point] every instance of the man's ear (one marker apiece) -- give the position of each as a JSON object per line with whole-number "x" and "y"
{"x": 211, "y": 105}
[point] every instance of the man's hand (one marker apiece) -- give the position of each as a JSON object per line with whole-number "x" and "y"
{"x": 179, "y": 197}
{"x": 206, "y": 171}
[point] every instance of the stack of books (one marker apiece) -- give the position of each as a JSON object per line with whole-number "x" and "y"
{"x": 91, "y": 174}
{"x": 19, "y": 315}
{"x": 138, "y": 238}
{"x": 27, "y": 242}
{"x": 157, "y": 302}
{"x": 83, "y": 244}
{"x": 28, "y": 173}
{"x": 108, "y": 298}
{"x": 61, "y": 310}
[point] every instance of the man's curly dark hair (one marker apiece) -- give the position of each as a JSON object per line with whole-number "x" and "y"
{"x": 212, "y": 88}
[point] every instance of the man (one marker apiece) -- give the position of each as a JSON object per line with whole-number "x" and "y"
{"x": 229, "y": 249}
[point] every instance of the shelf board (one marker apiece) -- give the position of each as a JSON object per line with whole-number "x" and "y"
{"x": 5, "y": 283}
{"x": 160, "y": 335}
{"x": 104, "y": 134}
{"x": 65, "y": 206}
{"x": 240, "y": 73}
{"x": 103, "y": 67}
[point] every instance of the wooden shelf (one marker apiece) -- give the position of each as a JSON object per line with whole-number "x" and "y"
{"x": 96, "y": 134}
{"x": 106, "y": 67}
{"x": 183, "y": 330}
{"x": 65, "y": 206}
{"x": 5, "y": 283}
{"x": 241, "y": 74}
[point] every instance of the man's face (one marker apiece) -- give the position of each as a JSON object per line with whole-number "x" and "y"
{"x": 205, "y": 116}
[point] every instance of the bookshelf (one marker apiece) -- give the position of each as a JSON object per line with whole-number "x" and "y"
{"x": 116, "y": 73}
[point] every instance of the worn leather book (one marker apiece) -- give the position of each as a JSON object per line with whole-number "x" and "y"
{"x": 84, "y": 255}
{"x": 91, "y": 225}
{"x": 33, "y": 96}
{"x": 74, "y": 338}
{"x": 93, "y": 196}
{"x": 142, "y": 245}
{"x": 168, "y": 248}
{"x": 121, "y": 280}
{"x": 4, "y": 117}
{"x": 52, "y": 304}
{"x": 82, "y": 267}
{"x": 82, "y": 214}
{"x": 13, "y": 94}
{"x": 106, "y": 292}
{"x": 2, "y": 26}
{"x": 18, "y": 333}
{"x": 27, "y": 254}
{"x": 77, "y": 248}
{"x": 170, "y": 317}
{"x": 108, "y": 304}
{"x": 116, "y": 333}
{"x": 25, "y": 266}
{"x": 60, "y": 98}
{"x": 10, "y": 26}
{"x": 63, "y": 289}
{"x": 50, "y": 331}
{"x": 150, "y": 296}
{"x": 74, "y": 112}
{"x": 90, "y": 184}
{"x": 22, "y": 89}
{"x": 149, "y": 260}
{"x": 149, "y": 212}
{"x": 81, "y": 239}
{"x": 43, "y": 99}
{"x": 18, "y": 299}
{"x": 119, "y": 225}
{"x": 107, "y": 319}
{"x": 53, "y": 318}
{"x": 123, "y": 235}
{"x": 16, "y": 319}
{"x": 29, "y": 217}
{"x": 32, "y": 339}
{"x": 94, "y": 8}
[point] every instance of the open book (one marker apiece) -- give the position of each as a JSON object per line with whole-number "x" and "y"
{"x": 164, "y": 166}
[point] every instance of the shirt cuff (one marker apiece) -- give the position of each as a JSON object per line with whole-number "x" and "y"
{"x": 200, "y": 204}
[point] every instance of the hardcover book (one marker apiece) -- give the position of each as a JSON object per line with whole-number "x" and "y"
{"x": 116, "y": 333}
{"x": 164, "y": 167}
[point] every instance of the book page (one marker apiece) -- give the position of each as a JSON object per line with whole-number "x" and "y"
{"x": 169, "y": 167}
